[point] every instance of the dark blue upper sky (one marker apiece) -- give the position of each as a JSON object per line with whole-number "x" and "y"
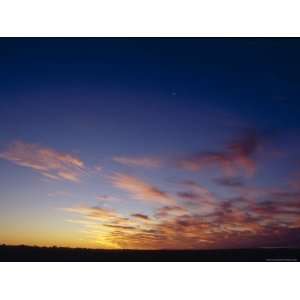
{"x": 256, "y": 78}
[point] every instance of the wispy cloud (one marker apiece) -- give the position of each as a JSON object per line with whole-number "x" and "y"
{"x": 48, "y": 162}
{"x": 103, "y": 225}
{"x": 95, "y": 212}
{"x": 237, "y": 156}
{"x": 107, "y": 198}
{"x": 146, "y": 162}
{"x": 170, "y": 211}
{"x": 141, "y": 190}
{"x": 229, "y": 181}
{"x": 198, "y": 197}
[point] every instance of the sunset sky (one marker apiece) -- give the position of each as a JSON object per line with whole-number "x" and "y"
{"x": 150, "y": 143}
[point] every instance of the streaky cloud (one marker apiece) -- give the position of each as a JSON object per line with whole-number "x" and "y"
{"x": 229, "y": 181}
{"x": 48, "y": 162}
{"x": 140, "y": 216}
{"x": 272, "y": 220}
{"x": 146, "y": 162}
{"x": 141, "y": 190}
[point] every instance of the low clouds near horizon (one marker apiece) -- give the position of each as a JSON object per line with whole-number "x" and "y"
{"x": 190, "y": 215}
{"x": 238, "y": 222}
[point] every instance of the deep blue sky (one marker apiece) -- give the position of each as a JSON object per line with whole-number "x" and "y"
{"x": 255, "y": 78}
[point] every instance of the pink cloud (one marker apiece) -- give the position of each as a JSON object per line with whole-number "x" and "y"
{"x": 141, "y": 190}
{"x": 48, "y": 162}
{"x": 238, "y": 222}
{"x": 95, "y": 212}
{"x": 237, "y": 156}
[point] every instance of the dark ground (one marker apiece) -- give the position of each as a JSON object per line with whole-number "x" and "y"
{"x": 33, "y": 254}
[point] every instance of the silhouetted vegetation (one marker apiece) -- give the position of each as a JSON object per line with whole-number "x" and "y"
{"x": 32, "y": 253}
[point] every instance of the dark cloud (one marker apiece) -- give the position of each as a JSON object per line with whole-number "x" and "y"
{"x": 188, "y": 182}
{"x": 140, "y": 216}
{"x": 229, "y": 181}
{"x": 188, "y": 195}
{"x": 237, "y": 156}
{"x": 120, "y": 226}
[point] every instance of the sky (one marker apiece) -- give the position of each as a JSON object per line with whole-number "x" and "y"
{"x": 150, "y": 143}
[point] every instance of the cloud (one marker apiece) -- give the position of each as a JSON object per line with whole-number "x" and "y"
{"x": 197, "y": 197}
{"x": 48, "y": 162}
{"x": 229, "y": 181}
{"x": 95, "y": 212}
{"x": 98, "y": 168}
{"x": 238, "y": 222}
{"x": 247, "y": 217}
{"x": 235, "y": 222}
{"x": 196, "y": 191}
{"x": 285, "y": 208}
{"x": 170, "y": 211}
{"x": 188, "y": 195}
{"x": 107, "y": 198}
{"x": 108, "y": 227}
{"x": 147, "y": 162}
{"x": 141, "y": 190}
{"x": 120, "y": 227}
{"x": 294, "y": 182}
{"x": 140, "y": 216}
{"x": 237, "y": 156}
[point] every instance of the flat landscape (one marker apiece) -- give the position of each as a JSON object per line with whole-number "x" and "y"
{"x": 59, "y": 254}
